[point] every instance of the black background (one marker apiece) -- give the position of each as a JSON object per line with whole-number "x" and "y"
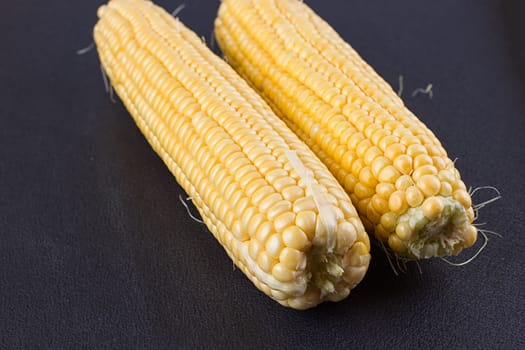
{"x": 97, "y": 251}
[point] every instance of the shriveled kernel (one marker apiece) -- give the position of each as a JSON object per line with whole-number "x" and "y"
{"x": 389, "y": 221}
{"x": 429, "y": 185}
{"x": 295, "y": 238}
{"x": 274, "y": 245}
{"x": 397, "y": 244}
{"x": 292, "y": 259}
{"x": 389, "y": 174}
{"x": 397, "y": 202}
{"x": 404, "y": 182}
{"x": 282, "y": 273}
{"x": 424, "y": 170}
{"x": 404, "y": 231}
{"x": 463, "y": 197}
{"x": 284, "y": 220}
{"x": 265, "y": 261}
{"x": 433, "y": 207}
{"x": 403, "y": 163}
{"x": 414, "y": 196}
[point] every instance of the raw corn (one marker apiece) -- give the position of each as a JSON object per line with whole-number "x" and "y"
{"x": 277, "y": 210}
{"x": 405, "y": 188}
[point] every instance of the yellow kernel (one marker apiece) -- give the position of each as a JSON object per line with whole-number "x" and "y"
{"x": 367, "y": 178}
{"x": 380, "y": 204}
{"x": 432, "y": 207}
{"x": 463, "y": 197}
{"x": 389, "y": 221}
{"x": 379, "y": 164}
{"x": 291, "y": 193}
{"x": 284, "y": 220}
{"x": 362, "y": 191}
{"x": 263, "y": 231}
{"x": 396, "y": 244}
{"x": 404, "y": 231}
{"x": 387, "y": 141}
{"x": 292, "y": 259}
{"x": 295, "y": 238}
{"x": 278, "y": 208}
{"x": 470, "y": 214}
{"x": 414, "y": 196}
{"x": 350, "y": 182}
{"x": 265, "y": 261}
{"x": 346, "y": 235}
{"x": 470, "y": 236}
{"x": 446, "y": 189}
{"x": 439, "y": 162}
{"x": 385, "y": 190}
{"x": 372, "y": 214}
{"x": 282, "y": 273}
{"x": 254, "y": 248}
{"x": 357, "y": 166}
{"x": 303, "y": 204}
{"x": 404, "y": 182}
{"x": 274, "y": 245}
{"x": 397, "y": 202}
{"x": 371, "y": 154}
{"x": 394, "y": 150}
{"x": 306, "y": 220}
{"x": 348, "y": 158}
{"x": 422, "y": 160}
{"x": 403, "y": 163}
{"x": 429, "y": 185}
{"x": 269, "y": 201}
{"x": 416, "y": 149}
{"x": 424, "y": 170}
{"x": 381, "y": 233}
{"x": 389, "y": 174}
{"x": 447, "y": 175}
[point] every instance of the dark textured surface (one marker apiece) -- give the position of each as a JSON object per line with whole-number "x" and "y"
{"x": 96, "y": 251}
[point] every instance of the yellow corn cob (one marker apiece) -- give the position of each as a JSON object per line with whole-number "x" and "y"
{"x": 398, "y": 175}
{"x": 278, "y": 212}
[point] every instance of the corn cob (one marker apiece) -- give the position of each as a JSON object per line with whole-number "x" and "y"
{"x": 405, "y": 188}
{"x": 277, "y": 210}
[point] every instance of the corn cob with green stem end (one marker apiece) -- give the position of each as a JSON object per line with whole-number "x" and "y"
{"x": 277, "y": 210}
{"x": 405, "y": 188}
